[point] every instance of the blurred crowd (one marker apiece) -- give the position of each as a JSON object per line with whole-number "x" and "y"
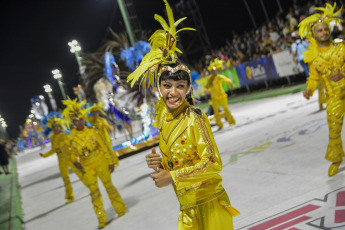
{"x": 7, "y": 149}
{"x": 272, "y": 37}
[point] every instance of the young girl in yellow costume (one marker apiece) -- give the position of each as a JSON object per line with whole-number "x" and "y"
{"x": 59, "y": 145}
{"x": 218, "y": 95}
{"x": 327, "y": 64}
{"x": 91, "y": 155}
{"x": 190, "y": 158}
{"x": 103, "y": 127}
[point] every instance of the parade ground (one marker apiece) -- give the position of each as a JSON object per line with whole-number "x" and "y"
{"x": 273, "y": 170}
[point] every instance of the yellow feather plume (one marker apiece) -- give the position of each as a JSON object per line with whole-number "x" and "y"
{"x": 56, "y": 120}
{"x": 216, "y": 64}
{"x": 73, "y": 110}
{"x": 307, "y": 25}
{"x": 96, "y": 107}
{"x": 163, "y": 48}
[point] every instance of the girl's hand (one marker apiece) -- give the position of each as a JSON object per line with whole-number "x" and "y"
{"x": 162, "y": 178}
{"x": 307, "y": 94}
{"x": 154, "y": 160}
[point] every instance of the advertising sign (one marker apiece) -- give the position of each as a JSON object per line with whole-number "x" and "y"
{"x": 284, "y": 64}
{"x": 256, "y": 71}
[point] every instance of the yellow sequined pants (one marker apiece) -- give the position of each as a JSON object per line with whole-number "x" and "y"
{"x": 224, "y": 103}
{"x": 213, "y": 215}
{"x": 335, "y": 117}
{"x": 64, "y": 165}
{"x": 99, "y": 168}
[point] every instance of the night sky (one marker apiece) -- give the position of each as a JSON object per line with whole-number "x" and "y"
{"x": 34, "y": 37}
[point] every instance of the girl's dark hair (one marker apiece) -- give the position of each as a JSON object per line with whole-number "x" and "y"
{"x": 177, "y": 76}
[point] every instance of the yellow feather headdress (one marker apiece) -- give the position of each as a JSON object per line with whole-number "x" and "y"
{"x": 56, "y": 120}
{"x": 216, "y": 64}
{"x": 307, "y": 26}
{"x": 74, "y": 110}
{"x": 163, "y": 48}
{"x": 97, "y": 107}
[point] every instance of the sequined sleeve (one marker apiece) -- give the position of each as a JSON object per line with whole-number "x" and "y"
{"x": 52, "y": 151}
{"x": 106, "y": 125}
{"x": 103, "y": 146}
{"x": 209, "y": 164}
{"x": 73, "y": 149}
{"x": 225, "y": 79}
{"x": 314, "y": 78}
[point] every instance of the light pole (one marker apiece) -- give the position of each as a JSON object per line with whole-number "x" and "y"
{"x": 126, "y": 20}
{"x": 57, "y": 75}
{"x": 49, "y": 90}
{"x": 76, "y": 48}
{"x": 3, "y": 133}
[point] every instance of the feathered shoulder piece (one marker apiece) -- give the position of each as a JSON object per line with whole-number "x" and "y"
{"x": 306, "y": 26}
{"x": 216, "y": 64}
{"x": 312, "y": 52}
{"x": 163, "y": 48}
{"x": 74, "y": 110}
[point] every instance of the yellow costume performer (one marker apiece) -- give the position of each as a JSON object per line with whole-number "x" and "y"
{"x": 90, "y": 154}
{"x": 103, "y": 127}
{"x": 218, "y": 95}
{"x": 326, "y": 62}
{"x": 190, "y": 158}
{"x": 59, "y": 145}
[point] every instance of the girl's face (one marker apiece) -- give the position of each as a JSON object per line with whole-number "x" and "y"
{"x": 173, "y": 93}
{"x": 56, "y": 128}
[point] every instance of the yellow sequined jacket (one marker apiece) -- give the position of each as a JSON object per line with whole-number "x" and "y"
{"x": 214, "y": 84}
{"x": 191, "y": 155}
{"x": 88, "y": 146}
{"x": 59, "y": 145}
{"x": 102, "y": 125}
{"x": 323, "y": 61}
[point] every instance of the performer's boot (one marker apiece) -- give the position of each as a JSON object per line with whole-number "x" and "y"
{"x": 230, "y": 119}
{"x": 68, "y": 188}
{"x": 335, "y": 151}
{"x": 115, "y": 199}
{"x": 97, "y": 203}
{"x": 333, "y": 169}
